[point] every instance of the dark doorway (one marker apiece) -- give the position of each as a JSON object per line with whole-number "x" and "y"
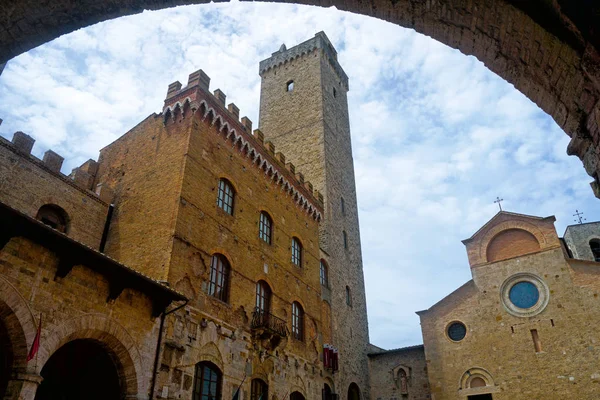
{"x": 353, "y": 392}
{"x": 81, "y": 369}
{"x": 296, "y": 396}
{"x": 327, "y": 393}
{"x": 486, "y": 396}
{"x": 6, "y": 359}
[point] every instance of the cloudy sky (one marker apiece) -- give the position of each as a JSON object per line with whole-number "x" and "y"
{"x": 436, "y": 135}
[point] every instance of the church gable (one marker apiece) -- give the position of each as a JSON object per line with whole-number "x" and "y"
{"x": 509, "y": 235}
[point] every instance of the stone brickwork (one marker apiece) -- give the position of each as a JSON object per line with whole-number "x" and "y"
{"x": 548, "y": 51}
{"x": 168, "y": 169}
{"x": 547, "y": 351}
{"x": 80, "y": 304}
{"x": 28, "y": 183}
{"x": 399, "y": 374}
{"x": 310, "y": 125}
{"x": 578, "y": 237}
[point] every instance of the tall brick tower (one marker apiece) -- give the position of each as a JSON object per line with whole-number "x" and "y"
{"x": 304, "y": 112}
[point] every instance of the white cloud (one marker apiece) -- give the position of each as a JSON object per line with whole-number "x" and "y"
{"x": 436, "y": 135}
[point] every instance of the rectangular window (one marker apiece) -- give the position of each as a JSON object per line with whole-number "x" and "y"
{"x": 536, "y": 340}
{"x": 296, "y": 252}
{"x": 225, "y": 196}
{"x": 265, "y": 227}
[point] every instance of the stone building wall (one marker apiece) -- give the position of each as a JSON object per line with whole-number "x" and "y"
{"x": 310, "y": 124}
{"x": 544, "y": 352}
{"x": 27, "y": 183}
{"x": 577, "y": 239}
{"x": 76, "y": 304}
{"x": 145, "y": 167}
{"x": 386, "y": 376}
{"x": 187, "y": 149}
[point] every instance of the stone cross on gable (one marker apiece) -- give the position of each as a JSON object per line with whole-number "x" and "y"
{"x": 499, "y": 201}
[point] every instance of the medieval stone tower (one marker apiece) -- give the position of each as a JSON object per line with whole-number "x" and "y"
{"x": 304, "y": 113}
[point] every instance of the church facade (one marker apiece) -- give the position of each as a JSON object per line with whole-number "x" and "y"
{"x": 197, "y": 258}
{"x": 525, "y": 326}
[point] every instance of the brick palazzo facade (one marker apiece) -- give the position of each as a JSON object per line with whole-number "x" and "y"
{"x": 194, "y": 256}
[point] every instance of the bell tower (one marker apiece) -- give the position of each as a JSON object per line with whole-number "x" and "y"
{"x": 304, "y": 113}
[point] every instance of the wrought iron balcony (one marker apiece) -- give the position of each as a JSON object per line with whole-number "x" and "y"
{"x": 265, "y": 321}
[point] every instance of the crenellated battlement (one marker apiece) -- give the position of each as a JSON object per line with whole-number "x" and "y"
{"x": 82, "y": 177}
{"x": 196, "y": 97}
{"x": 319, "y": 42}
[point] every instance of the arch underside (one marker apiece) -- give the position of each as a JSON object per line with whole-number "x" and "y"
{"x": 547, "y": 50}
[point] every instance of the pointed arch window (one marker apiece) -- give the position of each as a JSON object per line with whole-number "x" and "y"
{"x": 265, "y": 227}
{"x": 207, "y": 382}
{"x": 324, "y": 274}
{"x": 296, "y": 252}
{"x": 225, "y": 196}
{"x": 595, "y": 247}
{"x": 297, "y": 321}
{"x": 53, "y": 216}
{"x": 403, "y": 381}
{"x": 259, "y": 390}
{"x": 219, "y": 277}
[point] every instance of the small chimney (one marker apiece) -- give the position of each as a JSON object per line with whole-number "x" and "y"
{"x": 53, "y": 161}
{"x": 23, "y": 142}
{"x": 220, "y": 96}
{"x": 173, "y": 89}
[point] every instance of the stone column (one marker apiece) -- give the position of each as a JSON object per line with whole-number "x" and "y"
{"x": 23, "y": 386}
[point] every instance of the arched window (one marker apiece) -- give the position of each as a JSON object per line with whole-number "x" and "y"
{"x": 219, "y": 277}
{"x": 345, "y": 235}
{"x": 595, "y": 246}
{"x": 265, "y": 227}
{"x": 263, "y": 297}
{"x": 207, "y": 382}
{"x": 324, "y": 274}
{"x": 297, "y": 321}
{"x": 225, "y": 196}
{"x": 259, "y": 390}
{"x": 53, "y": 216}
{"x": 348, "y": 296}
{"x": 289, "y": 86}
{"x": 296, "y": 252}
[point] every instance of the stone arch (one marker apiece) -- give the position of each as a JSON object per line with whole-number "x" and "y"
{"x": 476, "y": 380}
{"x": 354, "y": 392}
{"x": 508, "y": 225}
{"x": 210, "y": 352}
{"x": 511, "y": 243}
{"x": 550, "y": 56}
{"x": 19, "y": 326}
{"x": 132, "y": 366}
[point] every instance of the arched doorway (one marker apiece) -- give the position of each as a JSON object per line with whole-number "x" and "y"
{"x": 296, "y": 396}
{"x": 353, "y": 392}
{"x": 81, "y": 369}
{"x": 327, "y": 392}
